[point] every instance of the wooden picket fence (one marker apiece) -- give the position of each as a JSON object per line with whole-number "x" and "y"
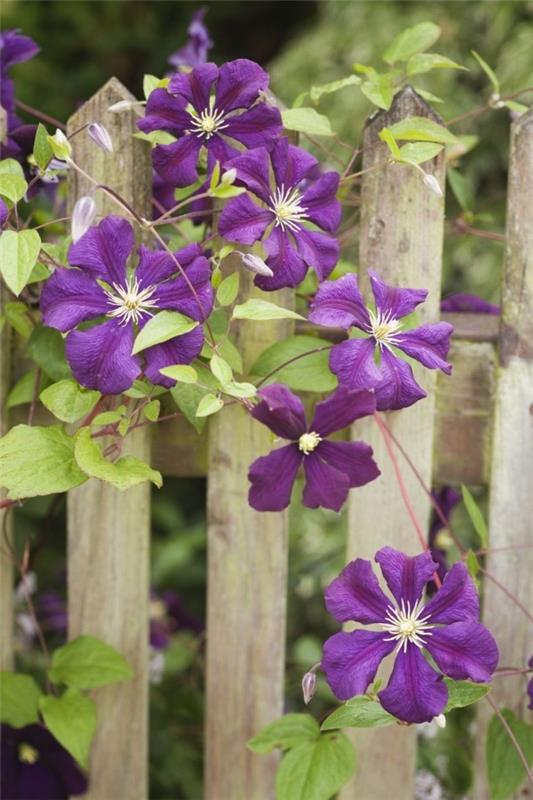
{"x": 475, "y": 428}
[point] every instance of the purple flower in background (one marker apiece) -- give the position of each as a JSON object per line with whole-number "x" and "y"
{"x": 331, "y": 468}
{"x": 198, "y": 45}
{"x": 101, "y": 288}
{"x": 168, "y": 615}
{"x": 447, "y": 628}
{"x": 339, "y": 303}
{"x": 289, "y": 197}
{"x": 468, "y": 303}
{"x": 198, "y": 118}
{"x": 14, "y": 49}
{"x": 36, "y": 767}
{"x": 447, "y": 498}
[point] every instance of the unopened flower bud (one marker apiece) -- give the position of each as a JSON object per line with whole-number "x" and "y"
{"x": 60, "y": 145}
{"x": 100, "y": 136}
{"x": 229, "y": 176}
{"x": 255, "y": 264}
{"x": 82, "y": 217}
{"x": 308, "y": 686}
{"x": 440, "y": 720}
{"x": 432, "y": 183}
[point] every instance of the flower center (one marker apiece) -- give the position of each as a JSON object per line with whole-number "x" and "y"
{"x": 406, "y": 625}
{"x": 308, "y": 442}
{"x": 287, "y": 209}
{"x": 130, "y": 301}
{"x": 207, "y": 122}
{"x": 27, "y": 753}
{"x": 383, "y": 328}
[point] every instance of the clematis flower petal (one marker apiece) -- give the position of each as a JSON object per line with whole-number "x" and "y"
{"x": 392, "y": 301}
{"x": 198, "y": 44}
{"x": 239, "y": 84}
{"x": 356, "y": 595}
{"x": 179, "y": 350}
{"x": 178, "y": 295}
{"x": 429, "y": 344}
{"x": 288, "y": 268}
{"x": 155, "y": 266}
{"x": 340, "y": 304}
{"x": 354, "y": 459}
{"x": 320, "y": 201}
{"x": 469, "y": 303}
{"x": 318, "y": 250}
{"x": 415, "y": 692}
{"x": 252, "y": 169}
{"x": 397, "y": 387}
{"x": 352, "y": 362}
{"x": 457, "y": 600}
{"x": 243, "y": 221}
{"x": 256, "y": 127}
{"x": 16, "y": 48}
{"x": 281, "y": 411}
{"x": 69, "y": 297}
{"x": 100, "y": 357}
{"x": 195, "y": 86}
{"x": 165, "y": 112}
{"x": 324, "y": 486}
{"x": 341, "y": 409}
{"x": 406, "y": 577}
{"x": 177, "y": 162}
{"x": 218, "y": 149}
{"x": 464, "y": 650}
{"x": 104, "y": 249}
{"x": 272, "y": 478}
{"x": 350, "y": 661}
{"x": 291, "y": 164}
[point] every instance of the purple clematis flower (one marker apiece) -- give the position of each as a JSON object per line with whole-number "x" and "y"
{"x": 331, "y": 468}
{"x": 14, "y": 49}
{"x": 339, "y": 303}
{"x": 447, "y": 628}
{"x": 36, "y": 767}
{"x": 290, "y": 197}
{"x": 101, "y": 288}
{"x": 447, "y": 498}
{"x": 198, "y": 118}
{"x": 168, "y": 615}
{"x": 468, "y": 303}
{"x": 198, "y": 45}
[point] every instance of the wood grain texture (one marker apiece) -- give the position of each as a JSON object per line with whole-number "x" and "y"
{"x": 401, "y": 238}
{"x": 108, "y": 530}
{"x": 511, "y": 495}
{"x": 247, "y": 574}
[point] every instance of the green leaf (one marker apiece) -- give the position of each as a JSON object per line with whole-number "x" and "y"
{"x": 151, "y": 410}
{"x": 424, "y": 62}
{"x": 476, "y": 517}
{"x": 328, "y": 88}
{"x": 386, "y": 136}
{"x": 505, "y": 771}
{"x": 512, "y": 105}
{"x": 23, "y": 390}
{"x": 263, "y": 310}
{"x": 72, "y": 720}
{"x": 161, "y": 328}
{"x": 431, "y": 98}
{"x": 12, "y": 181}
{"x": 410, "y": 41}
{"x": 86, "y": 663}
{"x": 418, "y": 152}
{"x": 228, "y": 289}
{"x": 108, "y": 417}
{"x": 316, "y": 770}
{"x": 225, "y": 191}
{"x": 39, "y": 273}
{"x": 35, "y": 461}
{"x": 379, "y": 89}
{"x": 128, "y": 471}
{"x": 464, "y": 693}
{"x": 42, "y": 152}
{"x": 68, "y": 401}
{"x": 209, "y": 404}
{"x": 151, "y": 82}
{"x": 220, "y": 369}
{"x": 180, "y": 372}
{"x": 360, "y": 712}
{"x": 18, "y": 316}
{"x": 489, "y": 72}
{"x": 235, "y": 389}
{"x": 306, "y": 120}
{"x": 215, "y": 176}
{"x": 462, "y": 189}
{"x": 289, "y": 731}
{"x": 19, "y": 699}
{"x": 187, "y": 397}
{"x": 19, "y": 251}
{"x": 155, "y": 137}
{"x": 310, "y": 373}
{"x": 421, "y": 129}
{"x": 46, "y": 347}
{"x": 473, "y": 566}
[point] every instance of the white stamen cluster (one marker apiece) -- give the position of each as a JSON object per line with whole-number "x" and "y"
{"x": 207, "y": 122}
{"x": 131, "y": 302}
{"x": 383, "y": 328}
{"x": 308, "y": 442}
{"x": 406, "y": 625}
{"x": 286, "y": 206}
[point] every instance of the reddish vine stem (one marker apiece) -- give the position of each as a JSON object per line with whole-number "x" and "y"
{"x": 40, "y": 115}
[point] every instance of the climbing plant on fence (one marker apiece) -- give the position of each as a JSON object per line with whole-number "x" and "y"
{"x": 188, "y": 308}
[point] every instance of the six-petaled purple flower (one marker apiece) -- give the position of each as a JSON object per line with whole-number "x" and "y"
{"x": 101, "y": 288}
{"x": 284, "y": 182}
{"x": 210, "y": 107}
{"x": 331, "y": 468}
{"x": 339, "y": 303}
{"x": 447, "y": 628}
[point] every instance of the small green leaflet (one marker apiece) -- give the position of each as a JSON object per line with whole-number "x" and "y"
{"x": 316, "y": 770}
{"x": 72, "y": 720}
{"x": 228, "y": 289}
{"x": 424, "y": 62}
{"x": 128, "y": 471}
{"x": 19, "y": 699}
{"x": 235, "y": 389}
{"x": 151, "y": 82}
{"x": 42, "y": 152}
{"x": 180, "y": 372}
{"x": 209, "y": 404}
{"x": 46, "y": 347}
{"x": 421, "y": 129}
{"x": 464, "y": 693}
{"x": 187, "y": 397}
{"x": 505, "y": 771}
{"x": 306, "y": 120}
{"x": 418, "y": 152}
{"x": 308, "y": 370}
{"x": 489, "y": 72}
{"x": 23, "y": 390}
{"x": 221, "y": 369}
{"x": 68, "y": 401}
{"x": 86, "y": 663}
{"x": 151, "y": 410}
{"x": 334, "y": 86}
{"x": 19, "y": 251}
{"x": 360, "y": 712}
{"x": 18, "y": 316}
{"x": 263, "y": 310}
{"x": 462, "y": 189}
{"x": 410, "y": 41}
{"x": 12, "y": 181}
{"x": 287, "y": 732}
{"x": 473, "y": 566}
{"x": 161, "y": 328}
{"x": 379, "y": 89}
{"x": 476, "y": 517}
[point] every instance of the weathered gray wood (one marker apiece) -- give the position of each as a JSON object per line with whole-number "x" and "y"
{"x": 108, "y": 530}
{"x": 247, "y": 572}
{"x": 511, "y": 495}
{"x": 401, "y": 238}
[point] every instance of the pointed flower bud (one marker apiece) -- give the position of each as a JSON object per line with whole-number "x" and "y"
{"x": 60, "y": 145}
{"x": 255, "y": 264}
{"x": 308, "y": 686}
{"x": 82, "y": 217}
{"x": 432, "y": 183}
{"x": 100, "y": 136}
{"x": 440, "y": 721}
{"x": 229, "y": 176}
